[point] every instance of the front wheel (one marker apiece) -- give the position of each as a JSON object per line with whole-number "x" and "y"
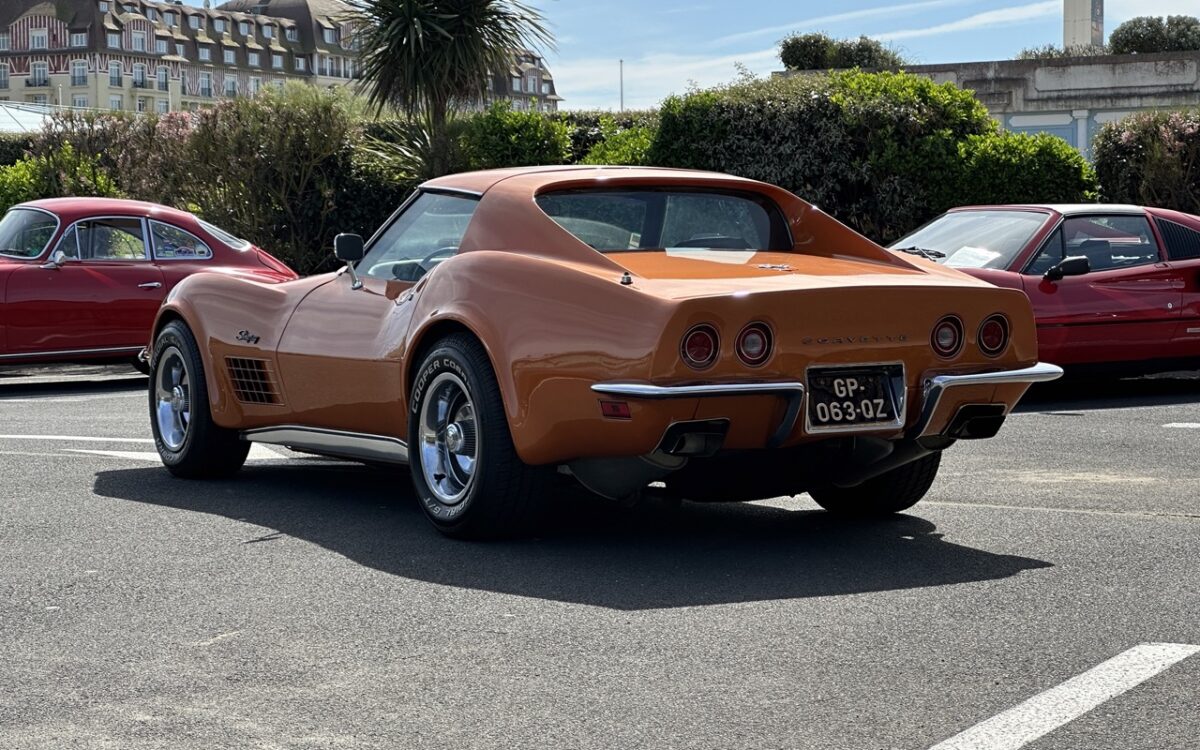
{"x": 891, "y": 492}
{"x": 466, "y": 472}
{"x": 189, "y": 443}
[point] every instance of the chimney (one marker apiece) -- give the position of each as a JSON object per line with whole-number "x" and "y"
{"x": 1083, "y": 23}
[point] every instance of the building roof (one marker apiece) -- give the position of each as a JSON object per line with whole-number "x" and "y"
{"x": 18, "y": 117}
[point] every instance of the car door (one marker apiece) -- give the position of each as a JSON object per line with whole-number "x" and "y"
{"x": 1125, "y": 308}
{"x": 341, "y": 355}
{"x": 102, "y": 297}
{"x": 1181, "y": 236}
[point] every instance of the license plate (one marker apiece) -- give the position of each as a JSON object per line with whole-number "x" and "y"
{"x": 853, "y": 398}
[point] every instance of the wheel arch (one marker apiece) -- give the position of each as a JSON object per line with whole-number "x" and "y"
{"x": 433, "y": 331}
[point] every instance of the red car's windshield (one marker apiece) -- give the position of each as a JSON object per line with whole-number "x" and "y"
{"x": 650, "y": 219}
{"x": 975, "y": 239}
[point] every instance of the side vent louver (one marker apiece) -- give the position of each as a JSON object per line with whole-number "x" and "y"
{"x": 253, "y": 380}
{"x": 1183, "y": 243}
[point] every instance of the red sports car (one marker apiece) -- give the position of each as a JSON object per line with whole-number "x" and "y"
{"x": 1113, "y": 287}
{"x": 81, "y": 279}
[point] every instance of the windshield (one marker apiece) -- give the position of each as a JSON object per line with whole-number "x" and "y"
{"x": 976, "y": 239}
{"x": 236, "y": 243}
{"x": 24, "y": 232}
{"x": 647, "y": 219}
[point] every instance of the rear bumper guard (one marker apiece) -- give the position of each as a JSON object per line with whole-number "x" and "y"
{"x": 791, "y": 390}
{"x": 938, "y": 385}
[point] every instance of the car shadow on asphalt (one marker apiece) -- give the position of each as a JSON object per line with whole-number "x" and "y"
{"x": 592, "y": 551}
{"x": 1079, "y": 394}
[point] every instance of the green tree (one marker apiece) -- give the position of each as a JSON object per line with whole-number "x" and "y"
{"x": 424, "y": 57}
{"x": 1148, "y": 34}
{"x": 821, "y": 52}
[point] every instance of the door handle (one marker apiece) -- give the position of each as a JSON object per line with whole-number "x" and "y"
{"x": 150, "y": 285}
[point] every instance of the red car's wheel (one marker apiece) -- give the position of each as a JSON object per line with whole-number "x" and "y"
{"x": 467, "y": 474}
{"x": 190, "y": 444}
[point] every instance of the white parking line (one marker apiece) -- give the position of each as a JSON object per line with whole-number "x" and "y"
{"x": 77, "y": 439}
{"x": 1060, "y": 705}
{"x": 1183, "y": 425}
{"x": 69, "y": 399}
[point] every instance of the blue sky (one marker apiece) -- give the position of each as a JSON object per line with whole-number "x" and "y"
{"x": 669, "y": 45}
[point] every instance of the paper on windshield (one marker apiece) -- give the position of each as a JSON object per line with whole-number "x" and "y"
{"x": 971, "y": 257}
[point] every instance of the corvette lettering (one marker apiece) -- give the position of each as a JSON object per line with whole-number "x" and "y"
{"x": 848, "y": 340}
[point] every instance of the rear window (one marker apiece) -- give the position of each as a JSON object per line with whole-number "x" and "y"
{"x": 614, "y": 221}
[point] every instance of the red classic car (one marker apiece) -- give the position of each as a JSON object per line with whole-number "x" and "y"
{"x": 1113, "y": 288}
{"x": 81, "y": 279}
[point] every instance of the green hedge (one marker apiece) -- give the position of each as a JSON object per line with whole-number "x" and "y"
{"x": 504, "y": 137}
{"x": 1021, "y": 168}
{"x": 882, "y": 152}
{"x": 13, "y": 146}
{"x": 1151, "y": 158}
{"x": 586, "y": 130}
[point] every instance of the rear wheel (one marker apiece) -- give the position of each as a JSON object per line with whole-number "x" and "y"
{"x": 190, "y": 444}
{"x": 892, "y": 492}
{"x": 466, "y": 472}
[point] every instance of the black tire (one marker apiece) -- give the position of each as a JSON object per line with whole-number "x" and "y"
{"x": 200, "y": 448}
{"x": 500, "y": 495}
{"x": 889, "y": 493}
{"x": 140, "y": 366}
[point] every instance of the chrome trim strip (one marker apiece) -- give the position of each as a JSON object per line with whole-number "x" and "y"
{"x": 62, "y": 352}
{"x": 936, "y": 387}
{"x": 646, "y": 390}
{"x": 53, "y": 235}
{"x": 426, "y": 188}
{"x": 332, "y": 442}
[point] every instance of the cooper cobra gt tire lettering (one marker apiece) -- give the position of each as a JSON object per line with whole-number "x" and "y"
{"x": 893, "y": 492}
{"x": 466, "y": 472}
{"x": 190, "y": 444}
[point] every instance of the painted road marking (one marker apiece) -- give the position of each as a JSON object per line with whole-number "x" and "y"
{"x": 1060, "y": 705}
{"x": 77, "y": 439}
{"x": 1183, "y": 425}
{"x": 69, "y": 399}
{"x": 257, "y": 453}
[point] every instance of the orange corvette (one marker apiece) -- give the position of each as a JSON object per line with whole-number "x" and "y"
{"x": 641, "y": 330}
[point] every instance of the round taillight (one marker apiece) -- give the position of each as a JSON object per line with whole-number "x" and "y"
{"x": 699, "y": 346}
{"x": 993, "y": 335}
{"x": 947, "y": 338}
{"x": 754, "y": 344}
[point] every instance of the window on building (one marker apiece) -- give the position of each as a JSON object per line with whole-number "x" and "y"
{"x": 545, "y": 88}
{"x": 78, "y": 38}
{"x": 103, "y": 6}
{"x": 141, "y": 104}
{"x": 114, "y": 40}
{"x": 79, "y": 72}
{"x": 162, "y": 106}
{"x": 230, "y": 57}
{"x": 114, "y": 74}
{"x": 268, "y": 32}
{"x": 169, "y": 18}
{"x": 40, "y": 74}
{"x": 162, "y": 75}
{"x": 160, "y": 46}
{"x": 219, "y": 25}
{"x": 115, "y": 102}
{"x": 516, "y": 84}
{"x": 255, "y": 86}
{"x": 139, "y": 41}
{"x": 194, "y": 22}
{"x": 205, "y": 84}
{"x": 231, "y": 87}
{"x": 40, "y": 99}
{"x": 39, "y": 38}
{"x": 79, "y": 101}
{"x": 5, "y": 42}
{"x": 139, "y": 76}
{"x": 244, "y": 28}
{"x": 531, "y": 84}
{"x": 252, "y": 59}
{"x": 329, "y": 36}
{"x": 205, "y": 53}
{"x": 293, "y": 35}
{"x": 179, "y": 49}
{"x": 277, "y": 62}
{"x": 3, "y": 75}
{"x": 151, "y": 14}
{"x": 301, "y": 63}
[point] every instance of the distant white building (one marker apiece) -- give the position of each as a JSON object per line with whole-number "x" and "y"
{"x": 1083, "y": 23}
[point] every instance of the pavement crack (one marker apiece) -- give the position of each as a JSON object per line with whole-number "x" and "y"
{"x": 267, "y": 538}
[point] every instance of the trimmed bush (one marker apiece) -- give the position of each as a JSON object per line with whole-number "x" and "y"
{"x": 622, "y": 146}
{"x": 1149, "y": 34}
{"x": 1152, "y": 158}
{"x": 503, "y": 137}
{"x": 62, "y": 172}
{"x": 584, "y": 127}
{"x": 1022, "y": 168}
{"x": 821, "y": 52}
{"x": 13, "y": 146}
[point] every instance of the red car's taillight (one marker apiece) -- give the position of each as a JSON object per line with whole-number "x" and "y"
{"x": 947, "y": 337}
{"x": 700, "y": 346}
{"x": 754, "y": 344}
{"x": 993, "y": 335}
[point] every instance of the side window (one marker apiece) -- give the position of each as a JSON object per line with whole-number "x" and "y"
{"x": 1183, "y": 243}
{"x": 605, "y": 221}
{"x": 173, "y": 243}
{"x": 1110, "y": 242}
{"x": 427, "y": 233}
{"x": 69, "y": 244}
{"x": 111, "y": 239}
{"x": 1050, "y": 256}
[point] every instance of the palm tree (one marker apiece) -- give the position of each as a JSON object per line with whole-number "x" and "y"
{"x": 424, "y": 57}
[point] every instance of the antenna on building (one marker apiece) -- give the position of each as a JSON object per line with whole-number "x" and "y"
{"x": 208, "y": 4}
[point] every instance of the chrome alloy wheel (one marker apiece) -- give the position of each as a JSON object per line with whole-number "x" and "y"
{"x": 448, "y": 439}
{"x": 173, "y": 397}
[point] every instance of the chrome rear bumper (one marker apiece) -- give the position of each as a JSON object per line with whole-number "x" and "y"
{"x": 938, "y": 385}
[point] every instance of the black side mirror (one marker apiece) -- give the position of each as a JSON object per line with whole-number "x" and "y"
{"x": 1076, "y": 265}
{"x": 348, "y": 248}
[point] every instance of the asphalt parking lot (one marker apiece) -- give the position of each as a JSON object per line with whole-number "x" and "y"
{"x": 1044, "y": 595}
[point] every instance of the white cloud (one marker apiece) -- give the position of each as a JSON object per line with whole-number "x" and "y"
{"x": 594, "y": 83}
{"x": 990, "y": 19}
{"x": 854, "y": 15}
